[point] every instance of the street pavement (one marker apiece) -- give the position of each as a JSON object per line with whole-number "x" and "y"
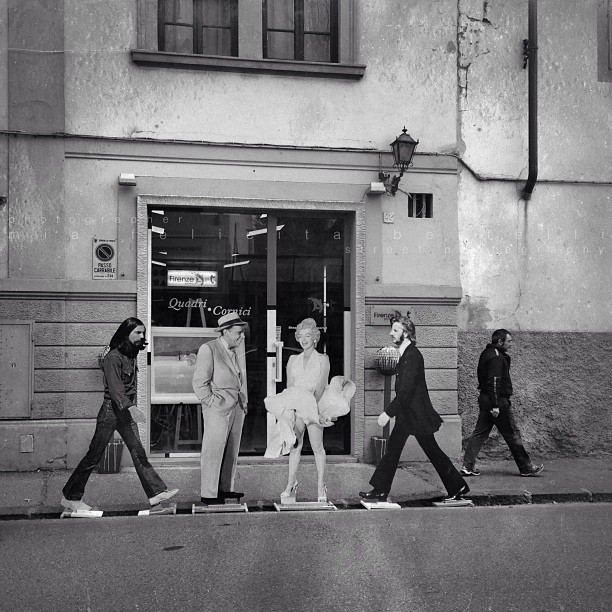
{"x": 520, "y": 558}
{"x": 38, "y": 494}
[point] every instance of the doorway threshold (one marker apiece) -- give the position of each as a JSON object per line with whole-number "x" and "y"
{"x": 192, "y": 460}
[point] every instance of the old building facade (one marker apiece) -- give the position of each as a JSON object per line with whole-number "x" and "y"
{"x": 174, "y": 160}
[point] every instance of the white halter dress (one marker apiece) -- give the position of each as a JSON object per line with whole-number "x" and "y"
{"x": 295, "y": 401}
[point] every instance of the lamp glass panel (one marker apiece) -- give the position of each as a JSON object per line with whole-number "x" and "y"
{"x": 405, "y": 152}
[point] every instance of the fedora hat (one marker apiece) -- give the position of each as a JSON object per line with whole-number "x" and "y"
{"x": 229, "y": 320}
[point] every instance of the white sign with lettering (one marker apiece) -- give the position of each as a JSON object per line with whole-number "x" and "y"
{"x": 192, "y": 278}
{"x": 104, "y": 259}
{"x": 381, "y": 315}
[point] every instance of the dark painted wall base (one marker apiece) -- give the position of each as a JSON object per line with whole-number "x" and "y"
{"x": 562, "y": 392}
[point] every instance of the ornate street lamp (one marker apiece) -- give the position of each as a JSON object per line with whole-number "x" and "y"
{"x": 403, "y": 148}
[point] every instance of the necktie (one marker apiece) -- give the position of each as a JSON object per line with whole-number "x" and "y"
{"x": 235, "y": 362}
{"x": 241, "y": 397}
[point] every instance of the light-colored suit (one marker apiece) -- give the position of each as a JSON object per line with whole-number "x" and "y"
{"x": 220, "y": 385}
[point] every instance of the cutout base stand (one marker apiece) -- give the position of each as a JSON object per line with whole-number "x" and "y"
{"x": 379, "y": 505}
{"x": 212, "y": 508}
{"x": 319, "y": 506}
{"x": 81, "y": 514}
{"x": 158, "y": 510}
{"x": 454, "y": 503}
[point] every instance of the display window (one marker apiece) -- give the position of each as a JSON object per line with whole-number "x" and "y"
{"x": 273, "y": 269}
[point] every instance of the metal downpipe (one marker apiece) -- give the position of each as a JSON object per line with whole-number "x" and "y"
{"x": 533, "y": 99}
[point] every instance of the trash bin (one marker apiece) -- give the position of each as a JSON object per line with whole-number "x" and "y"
{"x": 111, "y": 460}
{"x": 380, "y": 448}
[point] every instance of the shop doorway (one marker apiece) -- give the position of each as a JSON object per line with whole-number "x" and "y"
{"x": 274, "y": 268}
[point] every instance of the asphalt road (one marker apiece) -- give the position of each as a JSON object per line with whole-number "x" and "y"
{"x": 524, "y": 558}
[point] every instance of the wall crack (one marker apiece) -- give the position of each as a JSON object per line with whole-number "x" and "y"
{"x": 471, "y": 43}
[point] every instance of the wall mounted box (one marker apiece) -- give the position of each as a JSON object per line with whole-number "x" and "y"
{"x": 16, "y": 369}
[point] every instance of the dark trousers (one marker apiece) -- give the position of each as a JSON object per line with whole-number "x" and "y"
{"x": 506, "y": 424}
{"x": 385, "y": 472}
{"x": 108, "y": 421}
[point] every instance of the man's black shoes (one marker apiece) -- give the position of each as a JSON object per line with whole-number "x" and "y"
{"x": 230, "y": 495}
{"x": 374, "y": 495}
{"x": 223, "y": 495}
{"x": 208, "y": 501}
{"x": 464, "y": 490}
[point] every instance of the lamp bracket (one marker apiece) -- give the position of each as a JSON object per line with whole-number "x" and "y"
{"x": 391, "y": 184}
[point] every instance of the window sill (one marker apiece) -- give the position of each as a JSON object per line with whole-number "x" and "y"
{"x": 162, "y": 59}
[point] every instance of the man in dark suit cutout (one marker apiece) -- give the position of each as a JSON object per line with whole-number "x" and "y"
{"x": 415, "y": 416}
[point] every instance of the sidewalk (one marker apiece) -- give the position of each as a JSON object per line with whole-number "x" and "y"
{"x": 38, "y": 494}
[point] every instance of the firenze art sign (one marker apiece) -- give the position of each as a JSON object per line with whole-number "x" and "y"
{"x": 381, "y": 315}
{"x": 191, "y": 278}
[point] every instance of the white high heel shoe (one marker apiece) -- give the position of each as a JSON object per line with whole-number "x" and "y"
{"x": 289, "y": 494}
{"x": 322, "y": 499}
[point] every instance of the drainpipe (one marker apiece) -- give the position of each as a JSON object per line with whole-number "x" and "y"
{"x": 533, "y": 99}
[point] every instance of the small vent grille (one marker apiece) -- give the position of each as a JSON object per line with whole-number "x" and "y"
{"x": 420, "y": 205}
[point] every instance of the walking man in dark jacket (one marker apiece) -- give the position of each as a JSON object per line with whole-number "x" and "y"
{"x": 414, "y": 415}
{"x": 495, "y": 407}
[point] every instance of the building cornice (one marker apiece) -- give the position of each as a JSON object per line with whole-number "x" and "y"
{"x": 385, "y": 295}
{"x": 45, "y": 289}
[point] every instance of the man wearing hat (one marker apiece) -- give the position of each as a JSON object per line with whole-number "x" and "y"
{"x": 220, "y": 384}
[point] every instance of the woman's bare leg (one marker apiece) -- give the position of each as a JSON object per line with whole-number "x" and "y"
{"x": 315, "y": 435}
{"x": 295, "y": 455}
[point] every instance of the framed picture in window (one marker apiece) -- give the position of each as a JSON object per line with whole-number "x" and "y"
{"x": 173, "y": 358}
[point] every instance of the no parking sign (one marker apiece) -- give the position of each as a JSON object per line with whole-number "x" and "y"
{"x": 104, "y": 259}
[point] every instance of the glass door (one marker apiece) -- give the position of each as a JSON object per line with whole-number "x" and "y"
{"x": 312, "y": 282}
{"x": 273, "y": 270}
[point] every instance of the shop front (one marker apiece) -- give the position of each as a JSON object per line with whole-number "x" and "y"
{"x": 274, "y": 235}
{"x": 272, "y": 263}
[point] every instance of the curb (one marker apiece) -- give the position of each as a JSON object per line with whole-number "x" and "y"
{"x": 526, "y": 497}
{"x": 486, "y": 499}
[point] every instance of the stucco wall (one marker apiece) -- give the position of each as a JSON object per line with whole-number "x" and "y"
{"x": 418, "y": 251}
{"x": 69, "y": 332}
{"x": 543, "y": 264}
{"x": 451, "y": 71}
{"x": 562, "y": 390}
{"x": 409, "y": 50}
{"x": 575, "y": 109}
{"x": 68, "y": 336}
{"x": 67, "y": 194}
{"x": 59, "y": 201}
{"x": 540, "y": 268}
